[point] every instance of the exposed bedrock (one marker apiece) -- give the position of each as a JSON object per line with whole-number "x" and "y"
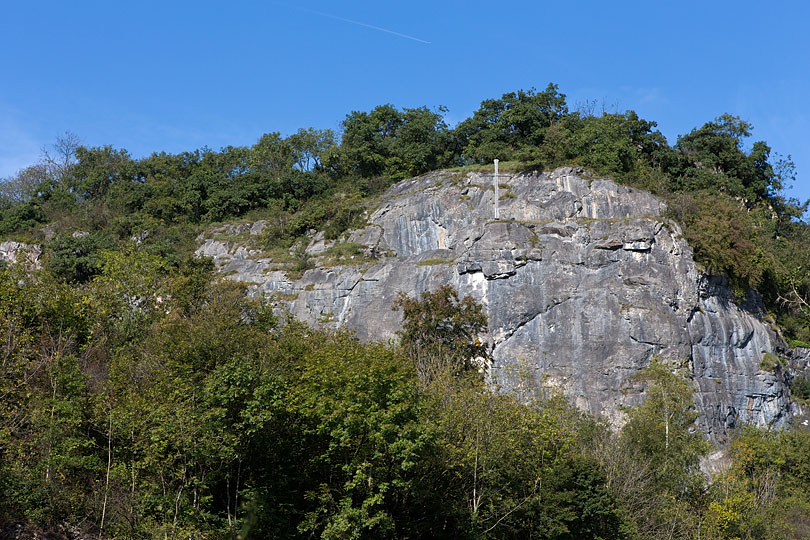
{"x": 19, "y": 253}
{"x": 584, "y": 282}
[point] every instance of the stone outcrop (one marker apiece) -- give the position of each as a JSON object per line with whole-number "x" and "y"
{"x": 799, "y": 366}
{"x": 584, "y": 282}
{"x": 20, "y": 253}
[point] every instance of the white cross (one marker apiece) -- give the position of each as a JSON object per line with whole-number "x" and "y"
{"x": 495, "y": 185}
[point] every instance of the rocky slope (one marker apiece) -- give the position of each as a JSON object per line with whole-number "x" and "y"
{"x": 583, "y": 281}
{"x": 19, "y": 253}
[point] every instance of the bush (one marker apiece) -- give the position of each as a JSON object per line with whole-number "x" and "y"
{"x": 20, "y": 217}
{"x": 800, "y": 387}
{"x": 769, "y": 362}
{"x": 77, "y": 259}
{"x": 724, "y": 237}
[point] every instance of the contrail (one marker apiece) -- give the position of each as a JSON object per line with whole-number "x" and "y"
{"x": 358, "y": 23}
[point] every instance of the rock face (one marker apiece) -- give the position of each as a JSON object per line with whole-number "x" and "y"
{"x": 17, "y": 252}
{"x": 583, "y": 281}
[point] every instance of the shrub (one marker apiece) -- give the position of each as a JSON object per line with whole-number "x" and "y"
{"x": 77, "y": 259}
{"x": 800, "y": 387}
{"x": 724, "y": 237}
{"x": 769, "y": 362}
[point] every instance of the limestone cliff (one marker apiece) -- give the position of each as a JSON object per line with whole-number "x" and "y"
{"x": 583, "y": 281}
{"x": 19, "y": 253}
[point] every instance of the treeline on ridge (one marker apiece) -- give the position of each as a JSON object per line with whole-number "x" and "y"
{"x": 142, "y": 398}
{"x": 728, "y": 197}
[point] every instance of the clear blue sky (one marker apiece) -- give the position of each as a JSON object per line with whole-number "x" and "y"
{"x": 177, "y": 75}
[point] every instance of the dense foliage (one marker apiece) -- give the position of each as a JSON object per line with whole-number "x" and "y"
{"x": 727, "y": 195}
{"x": 139, "y": 398}
{"x": 148, "y": 403}
{"x": 440, "y": 332}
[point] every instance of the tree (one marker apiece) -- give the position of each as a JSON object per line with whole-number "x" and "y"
{"x": 390, "y": 142}
{"x": 361, "y": 411}
{"x": 513, "y": 470}
{"x": 517, "y": 121}
{"x": 662, "y": 427}
{"x": 660, "y": 440}
{"x": 420, "y": 143}
{"x": 25, "y": 185}
{"x": 762, "y": 492}
{"x": 76, "y": 259}
{"x": 62, "y": 156}
{"x": 271, "y": 155}
{"x": 440, "y": 333}
{"x": 623, "y": 146}
{"x": 725, "y": 238}
{"x": 54, "y": 167}
{"x": 128, "y": 292}
{"x": 309, "y": 146}
{"x": 97, "y": 169}
{"x": 713, "y": 158}
{"x": 47, "y": 462}
{"x": 15, "y": 217}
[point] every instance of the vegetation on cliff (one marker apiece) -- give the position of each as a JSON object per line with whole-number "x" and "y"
{"x": 727, "y": 194}
{"x": 154, "y": 403}
{"x": 141, "y": 398}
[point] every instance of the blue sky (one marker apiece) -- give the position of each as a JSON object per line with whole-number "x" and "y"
{"x": 177, "y": 75}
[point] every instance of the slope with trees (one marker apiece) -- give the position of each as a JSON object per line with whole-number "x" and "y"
{"x": 140, "y": 397}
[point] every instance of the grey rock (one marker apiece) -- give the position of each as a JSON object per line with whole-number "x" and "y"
{"x": 800, "y": 360}
{"x": 237, "y": 228}
{"x": 258, "y": 227}
{"x": 219, "y": 250}
{"x": 318, "y": 244}
{"x": 583, "y": 281}
{"x": 21, "y": 253}
{"x": 139, "y": 238}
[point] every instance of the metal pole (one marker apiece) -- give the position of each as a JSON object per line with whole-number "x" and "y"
{"x": 495, "y": 182}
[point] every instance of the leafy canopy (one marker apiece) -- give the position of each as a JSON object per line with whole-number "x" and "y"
{"x": 440, "y": 333}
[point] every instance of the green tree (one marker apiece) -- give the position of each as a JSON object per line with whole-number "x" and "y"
{"x": 129, "y": 292}
{"x": 271, "y": 155}
{"x": 661, "y": 443}
{"x": 23, "y": 186}
{"x": 361, "y": 411}
{"x": 515, "y": 123}
{"x": 97, "y": 169}
{"x": 440, "y": 333}
{"x": 725, "y": 238}
{"x": 20, "y": 216}
{"x": 713, "y": 157}
{"x": 513, "y": 469}
{"x": 761, "y": 494}
{"x": 623, "y": 146}
{"x": 183, "y": 411}
{"x": 76, "y": 259}
{"x": 390, "y": 142}
{"x": 662, "y": 428}
{"x": 47, "y": 460}
{"x": 309, "y": 146}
